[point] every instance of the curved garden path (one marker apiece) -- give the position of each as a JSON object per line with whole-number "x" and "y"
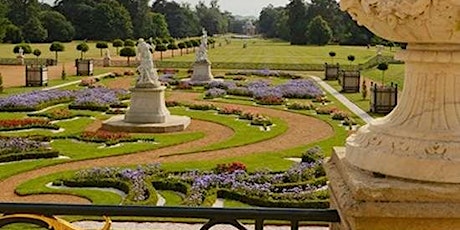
{"x": 302, "y": 130}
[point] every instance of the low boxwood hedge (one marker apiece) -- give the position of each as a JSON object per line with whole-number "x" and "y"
{"x": 261, "y": 202}
{"x": 91, "y": 107}
{"x": 28, "y": 156}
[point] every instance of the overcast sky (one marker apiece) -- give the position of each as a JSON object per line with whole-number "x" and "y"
{"x": 243, "y": 7}
{"x": 237, "y": 7}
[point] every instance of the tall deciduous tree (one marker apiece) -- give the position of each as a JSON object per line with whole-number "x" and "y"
{"x": 34, "y": 31}
{"x": 59, "y": 29}
{"x": 111, "y": 21}
{"x": 318, "y": 32}
{"x": 182, "y": 21}
{"x": 297, "y": 21}
{"x": 155, "y": 26}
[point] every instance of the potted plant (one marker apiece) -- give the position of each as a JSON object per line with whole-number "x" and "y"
{"x": 36, "y": 75}
{"x": 350, "y": 79}
{"x": 383, "y": 98}
{"x": 84, "y": 66}
{"x": 331, "y": 70}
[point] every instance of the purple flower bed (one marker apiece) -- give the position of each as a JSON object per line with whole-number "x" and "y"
{"x": 99, "y": 97}
{"x": 20, "y": 145}
{"x": 292, "y": 185}
{"x": 35, "y": 100}
{"x": 221, "y": 85}
{"x": 304, "y": 89}
{"x": 214, "y": 93}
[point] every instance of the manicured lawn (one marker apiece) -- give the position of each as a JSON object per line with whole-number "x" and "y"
{"x": 395, "y": 74}
{"x": 268, "y": 51}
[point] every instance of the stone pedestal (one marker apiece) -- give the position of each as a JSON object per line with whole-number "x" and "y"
{"x": 368, "y": 202}
{"x": 106, "y": 62}
{"x": 147, "y": 106}
{"x": 147, "y": 114}
{"x": 415, "y": 150}
{"x": 202, "y": 72}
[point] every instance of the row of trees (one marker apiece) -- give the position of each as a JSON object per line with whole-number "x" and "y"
{"x": 317, "y": 22}
{"x": 32, "y": 21}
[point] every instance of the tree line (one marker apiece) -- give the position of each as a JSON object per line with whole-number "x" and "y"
{"x": 106, "y": 20}
{"x": 317, "y": 22}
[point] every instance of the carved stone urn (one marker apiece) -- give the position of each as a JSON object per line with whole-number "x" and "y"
{"x": 420, "y": 139}
{"x": 403, "y": 171}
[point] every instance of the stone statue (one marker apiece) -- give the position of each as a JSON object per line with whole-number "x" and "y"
{"x": 21, "y": 52}
{"x": 202, "y": 52}
{"x": 148, "y": 76}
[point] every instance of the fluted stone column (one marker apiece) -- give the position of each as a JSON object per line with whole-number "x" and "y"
{"x": 416, "y": 148}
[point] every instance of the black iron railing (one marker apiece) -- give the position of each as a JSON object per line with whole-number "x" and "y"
{"x": 215, "y": 216}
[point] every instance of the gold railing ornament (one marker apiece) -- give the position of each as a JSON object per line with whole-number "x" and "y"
{"x": 50, "y": 222}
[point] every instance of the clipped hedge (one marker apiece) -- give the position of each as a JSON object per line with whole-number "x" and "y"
{"x": 28, "y": 156}
{"x": 176, "y": 186}
{"x": 314, "y": 182}
{"x": 107, "y": 142}
{"x": 52, "y": 117}
{"x": 257, "y": 201}
{"x": 113, "y": 183}
{"x": 49, "y": 126}
{"x": 244, "y": 65}
{"x": 89, "y": 107}
{"x": 36, "y": 108}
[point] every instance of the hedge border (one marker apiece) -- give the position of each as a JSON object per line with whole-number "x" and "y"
{"x": 11, "y": 157}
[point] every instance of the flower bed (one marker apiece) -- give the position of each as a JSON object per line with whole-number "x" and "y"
{"x": 21, "y": 148}
{"x": 58, "y": 114}
{"x": 133, "y": 182}
{"x": 35, "y": 100}
{"x": 203, "y": 107}
{"x": 325, "y": 110}
{"x": 173, "y": 103}
{"x": 260, "y": 120}
{"x": 339, "y": 115}
{"x": 300, "y": 106}
{"x": 108, "y": 138}
{"x": 229, "y": 111}
{"x": 220, "y": 85}
{"x": 27, "y": 123}
{"x": 98, "y": 99}
{"x": 214, "y": 93}
{"x": 303, "y": 185}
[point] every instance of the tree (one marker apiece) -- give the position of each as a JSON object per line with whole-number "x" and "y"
{"x": 83, "y": 48}
{"x": 37, "y": 53}
{"x": 13, "y": 34}
{"x": 155, "y": 26}
{"x": 181, "y": 46}
{"x": 34, "y": 31}
{"x": 128, "y": 52}
{"x": 189, "y": 44}
{"x": 101, "y": 46}
{"x": 267, "y": 21}
{"x": 182, "y": 21}
{"x": 173, "y": 46}
{"x": 319, "y": 32}
{"x": 297, "y": 22}
{"x": 56, "y": 47}
{"x": 4, "y": 22}
{"x": 161, "y": 48}
{"x": 214, "y": 21}
{"x": 111, "y": 21}
{"x": 59, "y": 29}
{"x": 138, "y": 11}
{"x": 129, "y": 43}
{"x": 332, "y": 54}
{"x": 383, "y": 67}
{"x": 117, "y": 43}
{"x": 351, "y": 58}
{"x": 80, "y": 14}
{"x": 26, "y": 49}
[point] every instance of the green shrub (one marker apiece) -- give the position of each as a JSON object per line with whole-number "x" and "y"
{"x": 27, "y": 156}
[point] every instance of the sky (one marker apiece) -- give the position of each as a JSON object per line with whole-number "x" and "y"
{"x": 242, "y": 7}
{"x": 236, "y": 7}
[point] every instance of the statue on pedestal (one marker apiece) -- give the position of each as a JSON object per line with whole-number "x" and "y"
{"x": 202, "y": 52}
{"x": 148, "y": 76}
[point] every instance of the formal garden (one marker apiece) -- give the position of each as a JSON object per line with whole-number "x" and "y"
{"x": 258, "y": 136}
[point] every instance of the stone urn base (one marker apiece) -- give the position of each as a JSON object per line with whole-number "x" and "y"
{"x": 371, "y": 201}
{"x": 147, "y": 114}
{"x": 202, "y": 72}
